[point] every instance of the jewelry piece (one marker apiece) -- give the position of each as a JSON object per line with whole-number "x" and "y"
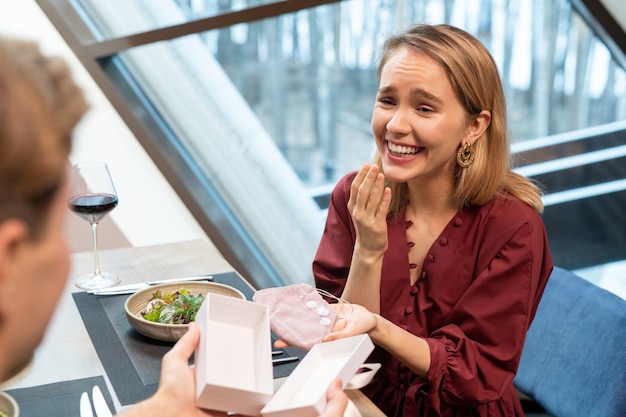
{"x": 465, "y": 156}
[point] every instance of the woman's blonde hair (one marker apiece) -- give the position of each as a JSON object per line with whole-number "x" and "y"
{"x": 39, "y": 107}
{"x": 475, "y": 80}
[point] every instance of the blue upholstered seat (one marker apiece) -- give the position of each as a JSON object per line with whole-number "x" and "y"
{"x": 574, "y": 358}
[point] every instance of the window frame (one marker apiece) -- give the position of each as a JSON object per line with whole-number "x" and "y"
{"x": 99, "y": 57}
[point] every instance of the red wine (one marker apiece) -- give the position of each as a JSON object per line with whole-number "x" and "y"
{"x": 92, "y": 207}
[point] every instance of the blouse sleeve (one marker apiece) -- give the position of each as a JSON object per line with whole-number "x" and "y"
{"x": 334, "y": 254}
{"x": 475, "y": 354}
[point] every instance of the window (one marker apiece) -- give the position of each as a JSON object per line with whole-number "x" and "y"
{"x": 255, "y": 109}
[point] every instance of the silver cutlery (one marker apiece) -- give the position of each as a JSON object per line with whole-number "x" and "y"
{"x": 85, "y": 406}
{"x": 99, "y": 404}
{"x": 280, "y": 361}
{"x": 133, "y": 288}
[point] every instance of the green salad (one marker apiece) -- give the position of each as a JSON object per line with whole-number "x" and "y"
{"x": 179, "y": 307}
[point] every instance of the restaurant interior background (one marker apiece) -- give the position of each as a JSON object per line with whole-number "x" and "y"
{"x": 231, "y": 120}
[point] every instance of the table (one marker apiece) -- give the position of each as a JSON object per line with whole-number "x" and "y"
{"x": 67, "y": 352}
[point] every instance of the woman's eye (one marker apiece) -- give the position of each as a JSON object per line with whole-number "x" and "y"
{"x": 424, "y": 109}
{"x": 385, "y": 100}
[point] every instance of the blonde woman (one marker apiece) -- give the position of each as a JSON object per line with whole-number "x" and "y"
{"x": 438, "y": 241}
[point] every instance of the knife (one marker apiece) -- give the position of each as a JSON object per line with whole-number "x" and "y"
{"x": 99, "y": 403}
{"x": 288, "y": 359}
{"x": 133, "y": 288}
{"x": 85, "y": 406}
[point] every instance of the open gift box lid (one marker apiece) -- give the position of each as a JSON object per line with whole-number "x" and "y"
{"x": 233, "y": 362}
{"x": 303, "y": 394}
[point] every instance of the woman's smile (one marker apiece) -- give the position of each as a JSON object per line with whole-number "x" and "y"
{"x": 403, "y": 151}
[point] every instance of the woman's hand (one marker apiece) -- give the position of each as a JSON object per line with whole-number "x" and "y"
{"x": 368, "y": 204}
{"x": 359, "y": 322}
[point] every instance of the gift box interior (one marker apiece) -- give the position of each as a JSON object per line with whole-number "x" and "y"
{"x": 233, "y": 362}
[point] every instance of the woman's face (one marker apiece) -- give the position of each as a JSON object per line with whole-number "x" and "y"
{"x": 417, "y": 121}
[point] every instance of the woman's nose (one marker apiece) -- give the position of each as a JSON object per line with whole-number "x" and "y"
{"x": 399, "y": 122}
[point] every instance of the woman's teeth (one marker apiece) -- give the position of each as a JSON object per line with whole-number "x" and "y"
{"x": 400, "y": 150}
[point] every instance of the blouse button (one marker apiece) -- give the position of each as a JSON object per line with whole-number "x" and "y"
{"x": 408, "y": 310}
{"x": 458, "y": 222}
{"x": 443, "y": 241}
{"x": 431, "y": 258}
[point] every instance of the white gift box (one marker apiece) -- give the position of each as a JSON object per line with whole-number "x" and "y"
{"x": 303, "y": 394}
{"x": 233, "y": 362}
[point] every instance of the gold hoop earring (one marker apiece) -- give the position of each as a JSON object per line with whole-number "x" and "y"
{"x": 465, "y": 156}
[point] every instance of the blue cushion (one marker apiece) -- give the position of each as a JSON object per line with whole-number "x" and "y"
{"x": 574, "y": 358}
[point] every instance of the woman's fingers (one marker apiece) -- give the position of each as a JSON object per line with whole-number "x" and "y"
{"x": 385, "y": 202}
{"x": 375, "y": 181}
{"x": 367, "y": 191}
{"x": 280, "y": 344}
{"x": 356, "y": 185}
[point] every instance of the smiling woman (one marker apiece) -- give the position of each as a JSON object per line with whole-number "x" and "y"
{"x": 424, "y": 113}
{"x": 439, "y": 244}
{"x": 438, "y": 104}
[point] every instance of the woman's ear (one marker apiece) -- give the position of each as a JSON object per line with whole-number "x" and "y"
{"x": 13, "y": 236}
{"x": 478, "y": 126}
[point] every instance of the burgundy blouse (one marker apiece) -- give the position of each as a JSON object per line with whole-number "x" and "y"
{"x": 480, "y": 286}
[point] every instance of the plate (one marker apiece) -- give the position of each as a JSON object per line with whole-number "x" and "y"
{"x": 136, "y": 304}
{"x": 8, "y": 405}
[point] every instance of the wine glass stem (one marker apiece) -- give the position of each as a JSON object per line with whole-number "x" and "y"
{"x": 94, "y": 232}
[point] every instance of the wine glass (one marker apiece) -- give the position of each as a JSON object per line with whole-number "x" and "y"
{"x": 92, "y": 196}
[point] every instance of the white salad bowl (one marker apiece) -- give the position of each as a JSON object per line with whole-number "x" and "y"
{"x": 8, "y": 405}
{"x": 136, "y": 304}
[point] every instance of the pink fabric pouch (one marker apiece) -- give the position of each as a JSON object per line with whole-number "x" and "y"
{"x": 299, "y": 315}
